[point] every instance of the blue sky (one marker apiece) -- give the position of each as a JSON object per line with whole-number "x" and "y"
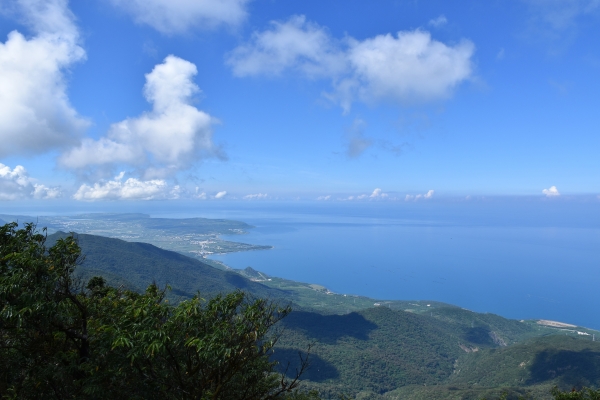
{"x": 120, "y": 100}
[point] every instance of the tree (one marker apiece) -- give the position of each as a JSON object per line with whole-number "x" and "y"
{"x": 583, "y": 394}
{"x": 61, "y": 339}
{"x": 43, "y": 332}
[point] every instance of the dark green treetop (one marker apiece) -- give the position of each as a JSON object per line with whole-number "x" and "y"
{"x": 62, "y": 339}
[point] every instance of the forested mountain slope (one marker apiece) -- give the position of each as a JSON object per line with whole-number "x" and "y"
{"x": 377, "y": 350}
{"x": 382, "y": 352}
{"x": 136, "y": 265}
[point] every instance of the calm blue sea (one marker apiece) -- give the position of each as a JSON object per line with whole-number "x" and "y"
{"x": 522, "y": 259}
{"x": 517, "y": 260}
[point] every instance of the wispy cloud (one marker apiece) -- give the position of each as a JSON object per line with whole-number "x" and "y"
{"x": 257, "y": 196}
{"x": 199, "y": 195}
{"x": 501, "y": 54}
{"x": 396, "y": 149}
{"x": 377, "y": 194}
{"x": 295, "y": 44}
{"x": 35, "y": 113}
{"x": 407, "y": 68}
{"x": 180, "y": 16}
{"x": 220, "y": 195}
{"x": 438, "y": 22}
{"x": 561, "y": 87}
{"x": 356, "y": 142}
{"x": 557, "y": 23}
{"x": 560, "y": 14}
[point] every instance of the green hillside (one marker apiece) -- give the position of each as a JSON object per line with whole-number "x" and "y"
{"x": 377, "y": 349}
{"x": 381, "y": 353}
{"x": 486, "y": 330}
{"x": 527, "y": 369}
{"x": 561, "y": 360}
{"x": 397, "y": 350}
{"x": 135, "y": 265}
{"x": 384, "y": 354}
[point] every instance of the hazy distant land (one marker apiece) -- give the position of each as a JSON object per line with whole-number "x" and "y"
{"x": 194, "y": 237}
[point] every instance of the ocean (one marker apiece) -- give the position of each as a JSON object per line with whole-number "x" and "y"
{"x": 523, "y": 261}
{"x": 525, "y": 258}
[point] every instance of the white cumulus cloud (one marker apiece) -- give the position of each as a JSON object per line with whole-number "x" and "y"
{"x": 377, "y": 193}
{"x": 551, "y": 192}
{"x": 220, "y": 195}
{"x": 179, "y": 16}
{"x": 324, "y": 198}
{"x": 170, "y": 137}
{"x": 16, "y": 184}
{"x": 35, "y": 112}
{"x": 257, "y": 196}
{"x": 411, "y": 197}
{"x": 130, "y": 189}
{"x": 409, "y": 67}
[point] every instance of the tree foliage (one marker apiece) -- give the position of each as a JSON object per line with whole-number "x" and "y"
{"x": 583, "y": 394}
{"x": 62, "y": 339}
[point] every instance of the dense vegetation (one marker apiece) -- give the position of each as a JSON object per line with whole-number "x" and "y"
{"x": 61, "y": 339}
{"x": 67, "y": 334}
{"x": 450, "y": 353}
{"x": 374, "y": 350}
{"x": 134, "y": 265}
